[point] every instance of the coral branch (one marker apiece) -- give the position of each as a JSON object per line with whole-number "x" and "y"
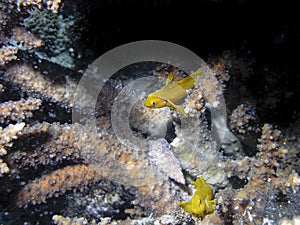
{"x": 34, "y": 82}
{"x": 53, "y": 143}
{"x": 18, "y": 110}
{"x": 263, "y": 178}
{"x": 56, "y": 183}
{"x": 6, "y": 136}
{"x": 52, "y": 5}
{"x": 7, "y": 54}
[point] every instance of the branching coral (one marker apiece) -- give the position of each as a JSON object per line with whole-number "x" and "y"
{"x": 33, "y": 82}
{"x": 60, "y": 220}
{"x": 84, "y": 155}
{"x": 265, "y": 179}
{"x": 55, "y": 183}
{"x": 18, "y": 110}
{"x": 52, "y": 5}
{"x": 7, "y": 135}
{"x": 14, "y": 111}
{"x": 7, "y": 53}
{"x": 52, "y": 143}
{"x": 66, "y": 142}
{"x": 243, "y": 119}
{"x": 43, "y": 160}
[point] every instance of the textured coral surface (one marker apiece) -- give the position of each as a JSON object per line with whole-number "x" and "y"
{"x": 58, "y": 169}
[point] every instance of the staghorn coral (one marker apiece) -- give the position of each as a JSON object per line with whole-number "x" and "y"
{"x": 271, "y": 152}
{"x": 7, "y": 54}
{"x": 211, "y": 87}
{"x": 98, "y": 155}
{"x": 243, "y": 119}
{"x": 60, "y": 145}
{"x": 52, "y": 5}
{"x": 8, "y": 134}
{"x": 3, "y": 168}
{"x": 195, "y": 102}
{"x": 39, "y": 158}
{"x": 120, "y": 166}
{"x": 55, "y": 183}
{"x": 33, "y": 82}
{"x": 265, "y": 179}
{"x": 61, "y": 220}
{"x": 14, "y": 111}
{"x": 18, "y": 110}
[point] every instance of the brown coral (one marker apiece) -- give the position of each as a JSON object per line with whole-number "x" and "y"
{"x": 267, "y": 177}
{"x": 56, "y": 183}
{"x": 60, "y": 220}
{"x": 18, "y": 110}
{"x": 52, "y": 5}
{"x": 33, "y": 81}
{"x": 243, "y": 119}
{"x": 76, "y": 141}
{"x": 7, "y": 54}
{"x": 8, "y": 134}
{"x": 54, "y": 143}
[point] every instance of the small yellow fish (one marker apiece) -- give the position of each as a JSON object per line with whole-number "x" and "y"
{"x": 201, "y": 203}
{"x": 173, "y": 93}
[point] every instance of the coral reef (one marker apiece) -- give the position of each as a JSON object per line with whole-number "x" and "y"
{"x": 264, "y": 180}
{"x": 57, "y": 171}
{"x": 55, "y": 183}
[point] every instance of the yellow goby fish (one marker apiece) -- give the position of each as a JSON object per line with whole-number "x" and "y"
{"x": 202, "y": 202}
{"x": 173, "y": 93}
